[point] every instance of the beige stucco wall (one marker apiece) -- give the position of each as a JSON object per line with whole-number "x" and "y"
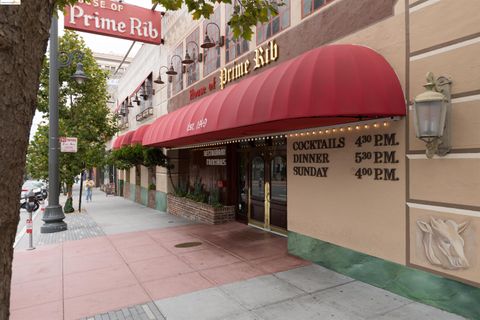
{"x": 132, "y": 175}
{"x": 388, "y": 39}
{"x": 144, "y": 176}
{"x": 162, "y": 179}
{"x": 121, "y": 174}
{"x": 364, "y": 214}
{"x": 443, "y": 21}
{"x": 360, "y": 214}
{"x": 444, "y": 40}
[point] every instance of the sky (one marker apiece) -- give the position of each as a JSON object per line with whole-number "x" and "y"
{"x": 101, "y": 44}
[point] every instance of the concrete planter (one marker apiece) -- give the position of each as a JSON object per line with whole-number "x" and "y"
{"x": 197, "y": 211}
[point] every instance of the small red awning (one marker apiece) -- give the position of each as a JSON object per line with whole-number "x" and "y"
{"x": 118, "y": 142}
{"x": 139, "y": 133}
{"x": 127, "y": 138}
{"x": 326, "y": 86}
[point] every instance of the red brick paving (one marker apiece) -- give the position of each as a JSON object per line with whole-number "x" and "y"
{"x": 87, "y": 277}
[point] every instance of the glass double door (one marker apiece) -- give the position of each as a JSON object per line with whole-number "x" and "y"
{"x": 268, "y": 190}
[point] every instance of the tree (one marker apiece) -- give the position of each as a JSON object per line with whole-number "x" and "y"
{"x": 246, "y": 13}
{"x": 24, "y": 31}
{"x": 83, "y": 114}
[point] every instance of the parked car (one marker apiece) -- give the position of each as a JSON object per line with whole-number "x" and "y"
{"x": 39, "y": 188}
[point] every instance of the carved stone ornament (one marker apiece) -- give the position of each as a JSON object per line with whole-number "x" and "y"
{"x": 443, "y": 243}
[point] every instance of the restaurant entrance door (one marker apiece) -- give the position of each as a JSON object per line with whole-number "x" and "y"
{"x": 268, "y": 189}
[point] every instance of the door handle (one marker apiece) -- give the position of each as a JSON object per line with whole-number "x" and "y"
{"x": 267, "y": 191}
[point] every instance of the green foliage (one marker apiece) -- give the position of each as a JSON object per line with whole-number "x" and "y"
{"x": 129, "y": 156}
{"x": 198, "y": 193}
{"x": 246, "y": 13}
{"x": 182, "y": 189}
{"x": 214, "y": 198}
{"x": 83, "y": 113}
{"x": 154, "y": 157}
{"x": 152, "y": 186}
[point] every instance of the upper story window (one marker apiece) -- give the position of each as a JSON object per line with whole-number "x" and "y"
{"x": 276, "y": 24}
{"x": 309, "y": 6}
{"x": 193, "y": 68}
{"x": 233, "y": 48}
{"x": 177, "y": 80}
{"x": 211, "y": 60}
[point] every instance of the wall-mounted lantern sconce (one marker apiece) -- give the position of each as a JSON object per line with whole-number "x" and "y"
{"x": 136, "y": 100}
{"x": 208, "y": 43}
{"x": 432, "y": 112}
{"x": 171, "y": 71}
{"x": 190, "y": 60}
{"x": 130, "y": 105}
{"x": 123, "y": 110}
{"x": 159, "y": 78}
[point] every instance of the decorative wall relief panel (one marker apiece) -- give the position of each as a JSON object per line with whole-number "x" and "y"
{"x": 445, "y": 242}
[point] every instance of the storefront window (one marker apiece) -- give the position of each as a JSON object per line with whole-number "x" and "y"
{"x": 212, "y": 55}
{"x": 193, "y": 69}
{"x": 258, "y": 176}
{"x": 233, "y": 47}
{"x": 278, "y": 168}
{"x": 177, "y": 83}
{"x": 309, "y": 6}
{"x": 276, "y": 24}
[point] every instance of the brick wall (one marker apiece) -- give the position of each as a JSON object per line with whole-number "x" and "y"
{"x": 201, "y": 212}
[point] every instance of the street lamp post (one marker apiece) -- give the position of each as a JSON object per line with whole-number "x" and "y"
{"x": 53, "y": 216}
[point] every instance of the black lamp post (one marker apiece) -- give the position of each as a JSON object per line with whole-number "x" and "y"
{"x": 53, "y": 216}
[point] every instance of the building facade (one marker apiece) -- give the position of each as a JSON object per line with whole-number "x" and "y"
{"x": 308, "y": 131}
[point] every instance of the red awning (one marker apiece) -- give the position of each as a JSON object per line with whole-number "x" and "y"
{"x": 139, "y": 133}
{"x": 118, "y": 142}
{"x": 326, "y": 86}
{"x": 127, "y": 138}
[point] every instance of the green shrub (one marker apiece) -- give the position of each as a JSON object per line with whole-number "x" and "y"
{"x": 214, "y": 198}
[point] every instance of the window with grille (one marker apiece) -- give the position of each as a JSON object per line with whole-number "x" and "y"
{"x": 309, "y": 6}
{"x": 193, "y": 69}
{"x": 233, "y": 47}
{"x": 276, "y": 23}
{"x": 177, "y": 80}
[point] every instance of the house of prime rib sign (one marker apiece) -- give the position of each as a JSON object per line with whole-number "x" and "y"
{"x": 115, "y": 19}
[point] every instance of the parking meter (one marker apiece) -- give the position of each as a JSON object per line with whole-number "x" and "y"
{"x": 31, "y": 204}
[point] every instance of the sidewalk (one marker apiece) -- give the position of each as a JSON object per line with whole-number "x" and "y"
{"x": 151, "y": 265}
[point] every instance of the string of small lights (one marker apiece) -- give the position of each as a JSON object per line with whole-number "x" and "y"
{"x": 321, "y": 131}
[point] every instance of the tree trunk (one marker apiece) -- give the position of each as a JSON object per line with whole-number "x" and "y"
{"x": 24, "y": 31}
{"x": 69, "y": 191}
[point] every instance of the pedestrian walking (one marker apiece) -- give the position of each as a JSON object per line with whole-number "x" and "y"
{"x": 89, "y": 184}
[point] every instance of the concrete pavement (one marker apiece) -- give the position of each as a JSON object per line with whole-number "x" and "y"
{"x": 150, "y": 265}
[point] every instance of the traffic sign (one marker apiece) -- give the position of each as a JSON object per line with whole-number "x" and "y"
{"x": 68, "y": 144}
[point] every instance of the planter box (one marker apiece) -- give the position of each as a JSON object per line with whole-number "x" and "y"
{"x": 197, "y": 211}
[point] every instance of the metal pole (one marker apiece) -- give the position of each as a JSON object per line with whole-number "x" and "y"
{"x": 30, "y": 235}
{"x": 53, "y": 216}
{"x": 81, "y": 189}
